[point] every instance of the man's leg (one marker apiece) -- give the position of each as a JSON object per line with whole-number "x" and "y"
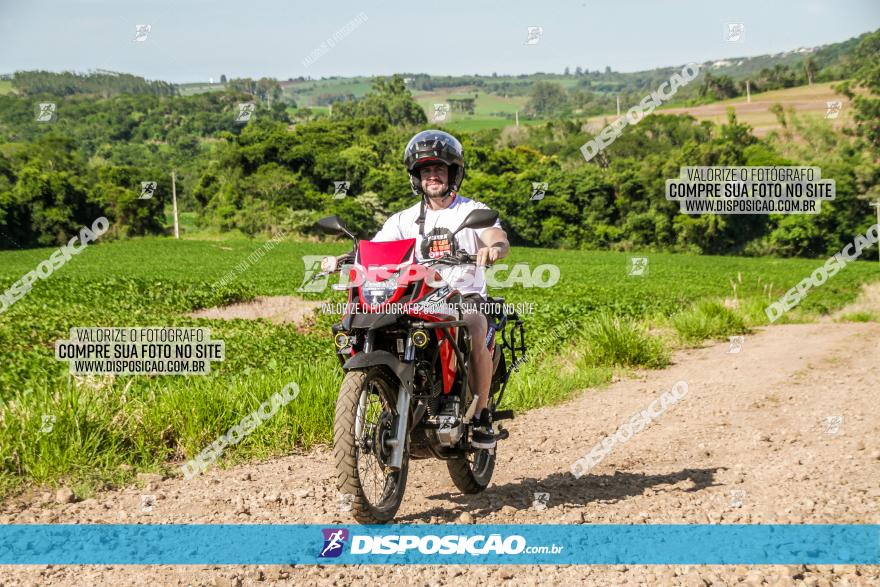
{"x": 481, "y": 362}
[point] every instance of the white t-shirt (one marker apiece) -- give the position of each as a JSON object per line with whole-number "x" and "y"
{"x": 465, "y": 278}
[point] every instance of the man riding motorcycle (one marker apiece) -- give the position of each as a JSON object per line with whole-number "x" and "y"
{"x": 435, "y": 162}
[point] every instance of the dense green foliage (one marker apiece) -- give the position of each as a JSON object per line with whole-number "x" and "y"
{"x": 270, "y": 174}
{"x": 34, "y": 83}
{"x": 56, "y": 177}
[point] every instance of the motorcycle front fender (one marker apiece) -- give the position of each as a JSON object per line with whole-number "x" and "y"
{"x": 360, "y": 361}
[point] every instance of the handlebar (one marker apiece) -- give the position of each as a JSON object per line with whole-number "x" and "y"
{"x": 461, "y": 258}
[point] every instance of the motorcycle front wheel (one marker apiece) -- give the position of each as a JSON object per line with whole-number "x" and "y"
{"x": 365, "y": 419}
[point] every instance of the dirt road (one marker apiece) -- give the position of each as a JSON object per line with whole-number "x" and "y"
{"x": 785, "y": 431}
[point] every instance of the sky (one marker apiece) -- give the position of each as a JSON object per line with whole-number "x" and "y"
{"x": 195, "y": 40}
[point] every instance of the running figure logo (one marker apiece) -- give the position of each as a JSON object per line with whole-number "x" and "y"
{"x": 334, "y": 542}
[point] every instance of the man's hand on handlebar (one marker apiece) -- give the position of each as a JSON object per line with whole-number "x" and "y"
{"x": 488, "y": 256}
{"x": 331, "y": 264}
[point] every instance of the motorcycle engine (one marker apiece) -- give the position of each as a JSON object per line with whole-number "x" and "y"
{"x": 445, "y": 417}
{"x": 428, "y": 389}
{"x": 451, "y": 429}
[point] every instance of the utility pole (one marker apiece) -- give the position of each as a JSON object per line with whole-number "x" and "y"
{"x": 517, "y": 117}
{"x": 618, "y": 105}
{"x": 174, "y": 202}
{"x": 748, "y": 91}
{"x": 876, "y": 204}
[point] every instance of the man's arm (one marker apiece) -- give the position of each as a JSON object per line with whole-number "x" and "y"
{"x": 496, "y": 247}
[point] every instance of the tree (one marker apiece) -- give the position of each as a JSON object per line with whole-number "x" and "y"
{"x": 578, "y": 71}
{"x": 223, "y": 78}
{"x": 389, "y": 100}
{"x": 718, "y": 88}
{"x": 810, "y": 68}
{"x": 867, "y": 76}
{"x": 546, "y": 98}
{"x": 567, "y": 71}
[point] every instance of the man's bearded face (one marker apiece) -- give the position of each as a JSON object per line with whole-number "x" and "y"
{"x": 435, "y": 180}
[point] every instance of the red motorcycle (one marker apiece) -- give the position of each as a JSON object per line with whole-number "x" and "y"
{"x": 405, "y": 351}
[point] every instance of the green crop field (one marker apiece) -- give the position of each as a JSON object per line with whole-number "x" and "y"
{"x": 5, "y": 87}
{"x": 305, "y": 93}
{"x": 192, "y": 89}
{"x": 107, "y": 428}
{"x": 490, "y": 110}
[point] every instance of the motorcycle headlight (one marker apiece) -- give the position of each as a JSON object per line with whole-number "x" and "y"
{"x": 377, "y": 292}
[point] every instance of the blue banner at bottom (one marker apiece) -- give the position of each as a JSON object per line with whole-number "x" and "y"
{"x": 185, "y": 544}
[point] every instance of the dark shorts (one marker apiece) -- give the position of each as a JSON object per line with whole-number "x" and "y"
{"x": 476, "y": 303}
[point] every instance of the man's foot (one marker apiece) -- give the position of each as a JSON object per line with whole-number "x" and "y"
{"x": 482, "y": 435}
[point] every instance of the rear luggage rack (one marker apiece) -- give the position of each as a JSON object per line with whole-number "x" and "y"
{"x": 513, "y": 341}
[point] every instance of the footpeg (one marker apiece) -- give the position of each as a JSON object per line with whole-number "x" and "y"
{"x": 502, "y": 415}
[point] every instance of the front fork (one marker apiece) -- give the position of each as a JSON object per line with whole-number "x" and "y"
{"x": 398, "y": 443}
{"x": 404, "y": 399}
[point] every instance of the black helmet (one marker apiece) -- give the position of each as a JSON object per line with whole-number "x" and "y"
{"x": 431, "y": 146}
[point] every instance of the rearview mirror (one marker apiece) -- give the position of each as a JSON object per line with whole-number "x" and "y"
{"x": 333, "y": 225}
{"x": 480, "y": 218}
